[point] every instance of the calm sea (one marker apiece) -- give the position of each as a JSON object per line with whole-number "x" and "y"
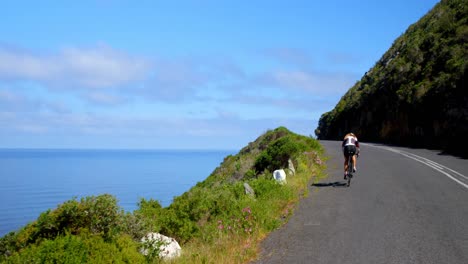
{"x": 32, "y": 181}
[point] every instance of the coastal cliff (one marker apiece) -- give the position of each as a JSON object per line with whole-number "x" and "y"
{"x": 221, "y": 219}
{"x": 416, "y": 94}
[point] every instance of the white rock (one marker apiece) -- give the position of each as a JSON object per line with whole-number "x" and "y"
{"x": 248, "y": 190}
{"x": 291, "y": 167}
{"x": 169, "y": 248}
{"x": 279, "y": 176}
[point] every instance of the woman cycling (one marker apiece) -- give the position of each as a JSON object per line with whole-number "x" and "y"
{"x": 350, "y": 147}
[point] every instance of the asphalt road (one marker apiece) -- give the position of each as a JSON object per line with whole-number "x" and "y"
{"x": 403, "y": 206}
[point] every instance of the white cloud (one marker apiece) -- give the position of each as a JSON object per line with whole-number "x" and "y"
{"x": 16, "y": 101}
{"x": 185, "y": 102}
{"x": 33, "y": 129}
{"x": 122, "y": 77}
{"x": 175, "y": 80}
{"x": 290, "y": 56}
{"x": 8, "y": 96}
{"x": 97, "y": 67}
{"x": 103, "y": 131}
{"x": 296, "y": 79}
{"x": 104, "y": 98}
{"x": 320, "y": 84}
{"x": 104, "y": 66}
{"x": 342, "y": 58}
{"x": 183, "y": 79}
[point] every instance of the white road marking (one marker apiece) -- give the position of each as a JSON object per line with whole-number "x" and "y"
{"x": 436, "y": 166}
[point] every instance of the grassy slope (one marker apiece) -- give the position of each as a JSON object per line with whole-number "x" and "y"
{"x": 215, "y": 221}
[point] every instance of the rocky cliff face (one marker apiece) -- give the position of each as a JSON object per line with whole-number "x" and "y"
{"x": 416, "y": 94}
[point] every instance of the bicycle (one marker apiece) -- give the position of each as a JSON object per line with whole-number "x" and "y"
{"x": 350, "y": 167}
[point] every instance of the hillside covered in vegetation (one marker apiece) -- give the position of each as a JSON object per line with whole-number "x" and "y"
{"x": 216, "y": 221}
{"x": 416, "y": 94}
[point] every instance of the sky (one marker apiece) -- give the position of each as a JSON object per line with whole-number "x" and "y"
{"x": 202, "y": 74}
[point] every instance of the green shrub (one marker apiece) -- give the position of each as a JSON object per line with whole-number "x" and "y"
{"x": 277, "y": 154}
{"x": 104, "y": 214}
{"x": 137, "y": 226}
{"x": 250, "y": 174}
{"x": 8, "y": 245}
{"x": 86, "y": 248}
{"x": 177, "y": 224}
{"x": 99, "y": 214}
{"x": 145, "y": 219}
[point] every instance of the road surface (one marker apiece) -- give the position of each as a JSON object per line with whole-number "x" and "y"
{"x": 403, "y": 206}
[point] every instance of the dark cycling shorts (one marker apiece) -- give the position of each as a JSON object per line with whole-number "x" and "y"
{"x": 349, "y": 150}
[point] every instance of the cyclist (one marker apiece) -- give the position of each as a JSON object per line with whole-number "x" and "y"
{"x": 350, "y": 145}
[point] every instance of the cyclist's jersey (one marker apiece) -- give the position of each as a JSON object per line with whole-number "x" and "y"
{"x": 350, "y": 141}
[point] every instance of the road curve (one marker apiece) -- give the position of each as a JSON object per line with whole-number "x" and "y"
{"x": 403, "y": 206}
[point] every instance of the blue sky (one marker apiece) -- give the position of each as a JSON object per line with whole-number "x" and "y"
{"x": 183, "y": 74}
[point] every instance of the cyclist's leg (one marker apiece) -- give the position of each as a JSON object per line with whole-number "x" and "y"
{"x": 346, "y": 163}
{"x": 354, "y": 151}
{"x": 346, "y": 160}
{"x": 354, "y": 163}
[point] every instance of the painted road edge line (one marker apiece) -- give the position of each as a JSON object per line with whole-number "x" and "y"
{"x": 425, "y": 161}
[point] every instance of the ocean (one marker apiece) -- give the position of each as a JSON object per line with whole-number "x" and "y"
{"x": 34, "y": 180}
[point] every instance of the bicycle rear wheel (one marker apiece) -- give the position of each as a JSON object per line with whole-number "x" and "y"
{"x": 350, "y": 169}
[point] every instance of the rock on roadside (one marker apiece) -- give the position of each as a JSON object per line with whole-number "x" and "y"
{"x": 168, "y": 246}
